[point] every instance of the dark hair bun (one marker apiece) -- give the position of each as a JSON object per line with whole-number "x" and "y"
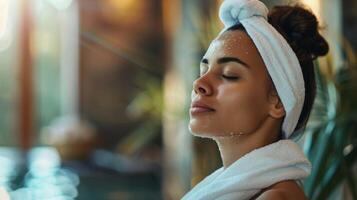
{"x": 300, "y": 28}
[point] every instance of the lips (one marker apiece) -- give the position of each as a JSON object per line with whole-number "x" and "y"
{"x": 198, "y": 107}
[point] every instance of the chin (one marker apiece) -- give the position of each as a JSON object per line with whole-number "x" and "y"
{"x": 200, "y": 132}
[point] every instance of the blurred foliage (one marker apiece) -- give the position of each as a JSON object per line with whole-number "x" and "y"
{"x": 147, "y": 105}
{"x": 330, "y": 139}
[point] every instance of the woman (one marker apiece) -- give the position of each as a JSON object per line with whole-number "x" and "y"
{"x": 254, "y": 94}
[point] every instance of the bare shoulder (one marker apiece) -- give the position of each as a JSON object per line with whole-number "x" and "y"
{"x": 282, "y": 191}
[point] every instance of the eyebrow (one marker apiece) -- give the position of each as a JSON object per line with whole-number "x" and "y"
{"x": 226, "y": 60}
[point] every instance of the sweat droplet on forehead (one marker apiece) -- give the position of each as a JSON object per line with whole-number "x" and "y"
{"x": 226, "y": 44}
{"x": 233, "y": 44}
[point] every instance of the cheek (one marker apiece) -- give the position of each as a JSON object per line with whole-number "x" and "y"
{"x": 243, "y": 108}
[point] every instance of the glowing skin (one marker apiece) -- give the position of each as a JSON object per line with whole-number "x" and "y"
{"x": 237, "y": 92}
{"x": 233, "y": 101}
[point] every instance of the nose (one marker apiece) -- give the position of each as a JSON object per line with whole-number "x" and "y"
{"x": 202, "y": 87}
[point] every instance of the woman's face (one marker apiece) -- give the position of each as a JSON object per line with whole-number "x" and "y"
{"x": 231, "y": 94}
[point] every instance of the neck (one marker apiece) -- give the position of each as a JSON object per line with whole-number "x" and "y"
{"x": 234, "y": 147}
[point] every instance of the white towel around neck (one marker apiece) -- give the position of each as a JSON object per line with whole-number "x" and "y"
{"x": 258, "y": 169}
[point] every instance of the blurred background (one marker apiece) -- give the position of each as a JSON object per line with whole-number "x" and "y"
{"x": 94, "y": 98}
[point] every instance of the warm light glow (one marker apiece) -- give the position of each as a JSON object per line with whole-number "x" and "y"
{"x": 314, "y": 5}
{"x": 124, "y": 12}
{"x": 122, "y": 4}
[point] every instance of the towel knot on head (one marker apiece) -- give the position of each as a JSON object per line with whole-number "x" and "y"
{"x": 233, "y": 11}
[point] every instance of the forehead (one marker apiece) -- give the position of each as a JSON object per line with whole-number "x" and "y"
{"x": 232, "y": 43}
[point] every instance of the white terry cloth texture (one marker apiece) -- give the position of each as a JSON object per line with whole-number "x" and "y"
{"x": 281, "y": 62}
{"x": 3, "y": 194}
{"x": 259, "y": 169}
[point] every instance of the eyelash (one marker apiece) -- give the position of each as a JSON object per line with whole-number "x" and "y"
{"x": 230, "y": 78}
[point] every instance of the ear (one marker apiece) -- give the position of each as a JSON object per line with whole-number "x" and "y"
{"x": 276, "y": 107}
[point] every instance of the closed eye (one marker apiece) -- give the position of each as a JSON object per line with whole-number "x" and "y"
{"x": 231, "y": 78}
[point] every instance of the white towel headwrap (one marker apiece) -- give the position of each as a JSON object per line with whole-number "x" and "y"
{"x": 257, "y": 170}
{"x": 280, "y": 60}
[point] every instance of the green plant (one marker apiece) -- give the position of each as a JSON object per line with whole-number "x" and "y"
{"x": 330, "y": 139}
{"x": 147, "y": 105}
